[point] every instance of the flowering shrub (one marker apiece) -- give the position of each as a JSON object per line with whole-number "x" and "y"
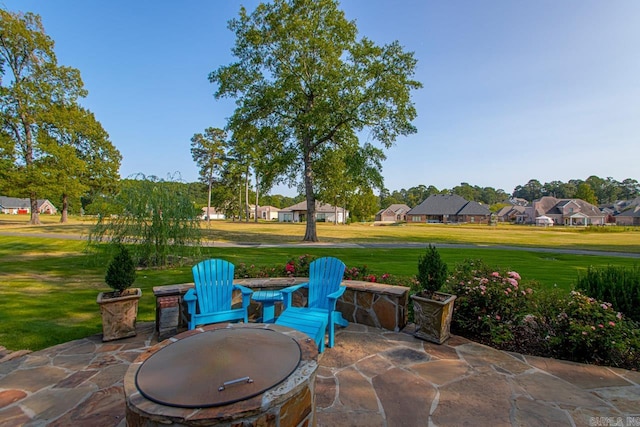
{"x": 496, "y": 308}
{"x": 584, "y": 329}
{"x": 489, "y": 301}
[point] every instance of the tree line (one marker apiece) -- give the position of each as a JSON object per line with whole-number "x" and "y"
{"x": 595, "y": 190}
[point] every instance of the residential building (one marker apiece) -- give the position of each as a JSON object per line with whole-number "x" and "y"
{"x": 394, "y": 213}
{"x": 18, "y": 206}
{"x": 449, "y": 208}
{"x": 268, "y": 213}
{"x": 563, "y": 212}
{"x": 324, "y": 213}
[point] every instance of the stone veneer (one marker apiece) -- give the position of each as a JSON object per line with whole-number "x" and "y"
{"x": 290, "y": 403}
{"x": 366, "y": 303}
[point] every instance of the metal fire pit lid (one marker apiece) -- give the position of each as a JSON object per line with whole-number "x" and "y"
{"x": 218, "y": 367}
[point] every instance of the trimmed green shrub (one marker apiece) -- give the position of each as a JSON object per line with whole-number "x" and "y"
{"x": 618, "y": 285}
{"x": 432, "y": 271}
{"x": 121, "y": 271}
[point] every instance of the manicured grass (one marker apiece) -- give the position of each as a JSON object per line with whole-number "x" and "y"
{"x": 49, "y": 286}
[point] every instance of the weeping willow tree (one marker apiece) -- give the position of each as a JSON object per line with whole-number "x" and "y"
{"x": 155, "y": 218}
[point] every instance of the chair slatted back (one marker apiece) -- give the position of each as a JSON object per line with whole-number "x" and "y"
{"x": 213, "y": 280}
{"x": 325, "y": 277}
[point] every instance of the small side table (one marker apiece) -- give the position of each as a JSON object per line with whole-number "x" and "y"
{"x": 268, "y": 300}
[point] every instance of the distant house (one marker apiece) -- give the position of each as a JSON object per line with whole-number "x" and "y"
{"x": 212, "y": 214}
{"x": 449, "y": 208}
{"x": 629, "y": 216}
{"x": 510, "y": 213}
{"x": 269, "y": 213}
{"x": 563, "y": 212}
{"x": 395, "y": 212}
{"x": 18, "y": 206}
{"x": 324, "y": 213}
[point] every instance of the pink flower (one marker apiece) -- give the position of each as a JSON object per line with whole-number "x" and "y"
{"x": 612, "y": 323}
{"x": 495, "y": 274}
{"x": 514, "y": 275}
{"x": 604, "y": 306}
{"x": 619, "y": 316}
{"x": 584, "y": 332}
{"x": 513, "y": 282}
{"x": 601, "y": 325}
{"x": 593, "y": 328}
{"x": 498, "y": 317}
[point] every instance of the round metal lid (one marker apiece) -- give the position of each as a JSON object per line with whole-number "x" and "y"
{"x": 218, "y": 367}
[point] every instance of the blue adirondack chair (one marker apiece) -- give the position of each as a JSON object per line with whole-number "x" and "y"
{"x": 213, "y": 294}
{"x": 324, "y": 285}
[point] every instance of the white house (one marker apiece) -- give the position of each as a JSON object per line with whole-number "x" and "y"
{"x": 213, "y": 214}
{"x": 15, "y": 206}
{"x": 324, "y": 213}
{"x": 269, "y": 213}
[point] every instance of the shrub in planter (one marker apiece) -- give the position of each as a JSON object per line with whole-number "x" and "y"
{"x": 121, "y": 272}
{"x": 119, "y": 308}
{"x": 432, "y": 310}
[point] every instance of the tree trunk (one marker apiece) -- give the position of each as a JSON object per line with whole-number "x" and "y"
{"x": 35, "y": 213}
{"x": 65, "y": 209}
{"x": 209, "y": 199}
{"x": 246, "y": 196}
{"x": 310, "y": 234}
{"x": 256, "y": 209}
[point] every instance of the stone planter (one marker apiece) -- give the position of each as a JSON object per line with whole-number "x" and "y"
{"x": 433, "y": 316}
{"x": 119, "y": 313}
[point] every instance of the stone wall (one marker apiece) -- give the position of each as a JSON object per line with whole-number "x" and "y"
{"x": 373, "y": 304}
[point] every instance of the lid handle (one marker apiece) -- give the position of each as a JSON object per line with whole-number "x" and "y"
{"x": 236, "y": 381}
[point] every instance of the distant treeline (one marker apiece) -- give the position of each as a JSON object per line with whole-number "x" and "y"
{"x": 595, "y": 190}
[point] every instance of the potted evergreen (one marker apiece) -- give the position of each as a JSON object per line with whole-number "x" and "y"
{"x": 119, "y": 308}
{"x": 432, "y": 309}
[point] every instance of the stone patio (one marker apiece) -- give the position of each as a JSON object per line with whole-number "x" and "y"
{"x": 372, "y": 377}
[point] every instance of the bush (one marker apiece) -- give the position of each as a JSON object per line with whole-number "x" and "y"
{"x": 490, "y": 302}
{"x": 157, "y": 218}
{"x": 585, "y": 329}
{"x": 121, "y": 271}
{"x": 494, "y": 307}
{"x": 432, "y": 271}
{"x": 618, "y": 285}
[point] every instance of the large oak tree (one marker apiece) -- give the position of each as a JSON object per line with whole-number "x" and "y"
{"x": 302, "y": 72}
{"x": 49, "y": 144}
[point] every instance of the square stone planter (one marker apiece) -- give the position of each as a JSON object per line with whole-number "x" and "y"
{"x": 119, "y": 313}
{"x": 433, "y": 316}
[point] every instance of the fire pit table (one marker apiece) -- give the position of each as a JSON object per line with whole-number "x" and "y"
{"x": 245, "y": 374}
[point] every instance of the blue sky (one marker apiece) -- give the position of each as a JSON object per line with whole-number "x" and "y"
{"x": 513, "y": 90}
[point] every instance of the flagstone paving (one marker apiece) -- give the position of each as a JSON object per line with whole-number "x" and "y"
{"x": 371, "y": 377}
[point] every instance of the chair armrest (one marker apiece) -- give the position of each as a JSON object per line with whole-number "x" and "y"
{"x": 190, "y": 295}
{"x": 286, "y": 293}
{"x": 333, "y": 297}
{"x": 191, "y": 298}
{"x": 243, "y": 289}
{"x": 246, "y": 295}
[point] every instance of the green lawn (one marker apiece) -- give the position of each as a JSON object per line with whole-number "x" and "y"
{"x": 48, "y": 286}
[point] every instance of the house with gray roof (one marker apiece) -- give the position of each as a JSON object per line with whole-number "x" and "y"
{"x": 19, "y": 206}
{"x": 394, "y": 213}
{"x": 324, "y": 213}
{"x": 449, "y": 208}
{"x": 629, "y": 216}
{"x": 564, "y": 212}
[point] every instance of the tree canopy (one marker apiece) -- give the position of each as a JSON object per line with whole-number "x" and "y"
{"x": 302, "y": 74}
{"x": 48, "y": 143}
